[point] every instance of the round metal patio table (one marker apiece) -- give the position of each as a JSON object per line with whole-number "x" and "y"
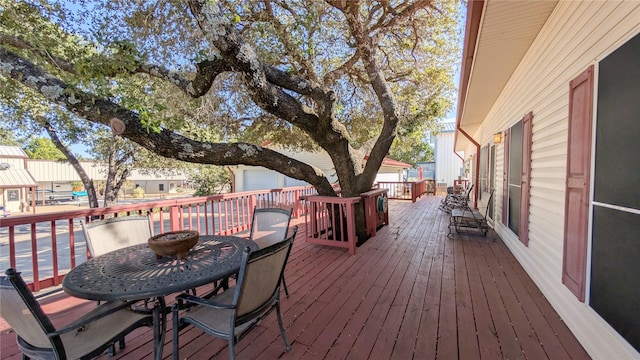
{"x": 134, "y": 273}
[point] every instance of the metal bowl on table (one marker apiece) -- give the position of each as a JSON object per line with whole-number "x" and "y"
{"x": 174, "y": 243}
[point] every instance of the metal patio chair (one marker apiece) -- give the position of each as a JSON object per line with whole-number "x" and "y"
{"x": 269, "y": 226}
{"x": 103, "y": 236}
{"x": 464, "y": 219}
{"x": 84, "y": 338}
{"x": 232, "y": 314}
{"x": 456, "y": 201}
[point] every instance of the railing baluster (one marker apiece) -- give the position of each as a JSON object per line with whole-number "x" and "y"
{"x": 72, "y": 244}
{"x": 12, "y": 246}
{"x": 34, "y": 258}
{"x": 54, "y": 252}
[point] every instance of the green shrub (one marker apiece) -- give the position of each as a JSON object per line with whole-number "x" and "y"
{"x": 138, "y": 193}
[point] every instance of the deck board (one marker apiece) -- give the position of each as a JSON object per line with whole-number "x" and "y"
{"x": 410, "y": 292}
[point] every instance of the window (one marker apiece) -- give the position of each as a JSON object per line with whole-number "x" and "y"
{"x": 161, "y": 187}
{"x": 483, "y": 171}
{"x": 517, "y": 177}
{"x": 515, "y": 169}
{"x": 614, "y": 289}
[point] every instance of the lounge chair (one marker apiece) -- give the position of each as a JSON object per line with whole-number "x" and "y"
{"x": 464, "y": 219}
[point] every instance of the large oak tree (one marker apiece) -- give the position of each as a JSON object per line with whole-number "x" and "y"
{"x": 345, "y": 76}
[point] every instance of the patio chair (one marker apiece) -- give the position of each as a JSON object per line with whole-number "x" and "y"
{"x": 103, "y": 236}
{"x": 84, "y": 338}
{"x": 456, "y": 201}
{"x": 269, "y": 226}
{"x": 232, "y": 314}
{"x": 466, "y": 220}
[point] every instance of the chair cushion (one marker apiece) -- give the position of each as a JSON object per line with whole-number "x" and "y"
{"x": 215, "y": 320}
{"x": 86, "y": 339}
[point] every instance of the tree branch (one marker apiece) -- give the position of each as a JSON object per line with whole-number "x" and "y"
{"x": 367, "y": 47}
{"x": 165, "y": 143}
{"x": 327, "y": 132}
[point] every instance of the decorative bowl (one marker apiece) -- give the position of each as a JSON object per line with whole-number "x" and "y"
{"x": 172, "y": 243}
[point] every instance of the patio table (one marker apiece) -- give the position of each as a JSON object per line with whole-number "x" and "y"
{"x": 134, "y": 273}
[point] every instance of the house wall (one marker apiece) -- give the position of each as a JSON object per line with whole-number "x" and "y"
{"x": 387, "y": 173}
{"x": 578, "y": 34}
{"x": 13, "y": 196}
{"x": 249, "y": 178}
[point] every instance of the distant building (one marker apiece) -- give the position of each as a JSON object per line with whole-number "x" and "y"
{"x": 247, "y": 178}
{"x": 58, "y": 176}
{"x": 15, "y": 179}
{"x": 449, "y": 166}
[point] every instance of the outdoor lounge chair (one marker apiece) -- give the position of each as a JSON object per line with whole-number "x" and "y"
{"x": 233, "y": 313}
{"x": 84, "y": 338}
{"x": 269, "y": 226}
{"x": 103, "y": 236}
{"x": 464, "y": 219}
{"x": 456, "y": 201}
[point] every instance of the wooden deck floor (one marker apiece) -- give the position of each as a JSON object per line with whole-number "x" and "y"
{"x": 409, "y": 293}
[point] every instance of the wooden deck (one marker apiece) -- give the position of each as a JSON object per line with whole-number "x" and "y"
{"x": 409, "y": 293}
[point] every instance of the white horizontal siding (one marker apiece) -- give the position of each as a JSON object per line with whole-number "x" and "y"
{"x": 577, "y": 35}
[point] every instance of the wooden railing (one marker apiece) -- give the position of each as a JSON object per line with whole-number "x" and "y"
{"x": 408, "y": 190}
{"x": 376, "y": 210}
{"x": 44, "y": 247}
{"x": 330, "y": 221}
{"x": 460, "y": 185}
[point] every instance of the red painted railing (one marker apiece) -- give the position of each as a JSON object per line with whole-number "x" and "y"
{"x": 44, "y": 247}
{"x": 331, "y": 221}
{"x": 376, "y": 210}
{"x": 460, "y": 185}
{"x": 408, "y": 190}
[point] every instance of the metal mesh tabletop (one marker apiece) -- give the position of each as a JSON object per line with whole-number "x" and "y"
{"x": 134, "y": 273}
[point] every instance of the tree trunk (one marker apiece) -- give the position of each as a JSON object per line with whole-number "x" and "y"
{"x": 86, "y": 181}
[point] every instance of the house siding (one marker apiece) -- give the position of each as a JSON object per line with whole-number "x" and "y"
{"x": 256, "y": 177}
{"x": 576, "y": 36}
{"x": 244, "y": 174}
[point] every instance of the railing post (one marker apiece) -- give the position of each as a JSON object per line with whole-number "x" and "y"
{"x": 174, "y": 217}
{"x": 296, "y": 204}
{"x": 252, "y": 204}
{"x": 351, "y": 228}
